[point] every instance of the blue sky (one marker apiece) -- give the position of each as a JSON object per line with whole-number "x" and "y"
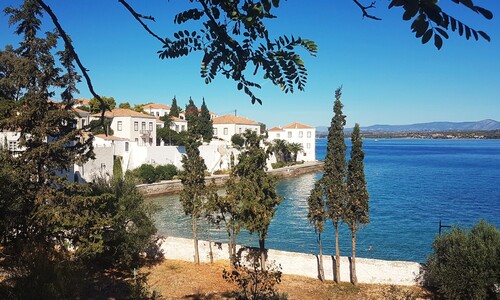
{"x": 388, "y": 76}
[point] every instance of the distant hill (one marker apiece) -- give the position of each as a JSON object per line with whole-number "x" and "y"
{"x": 487, "y": 124}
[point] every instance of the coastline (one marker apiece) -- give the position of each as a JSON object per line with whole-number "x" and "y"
{"x": 371, "y": 271}
{"x": 175, "y": 186}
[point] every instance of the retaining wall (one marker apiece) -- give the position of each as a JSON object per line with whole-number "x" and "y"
{"x": 374, "y": 271}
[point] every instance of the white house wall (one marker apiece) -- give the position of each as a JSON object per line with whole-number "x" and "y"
{"x": 102, "y": 165}
{"x": 232, "y": 129}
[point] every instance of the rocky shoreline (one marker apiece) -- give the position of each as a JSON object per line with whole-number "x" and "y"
{"x": 175, "y": 186}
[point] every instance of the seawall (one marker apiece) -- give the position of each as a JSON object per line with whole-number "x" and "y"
{"x": 373, "y": 271}
{"x": 175, "y": 186}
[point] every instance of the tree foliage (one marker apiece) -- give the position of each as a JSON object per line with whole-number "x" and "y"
{"x": 335, "y": 173}
{"x": 255, "y": 189}
{"x": 356, "y": 211}
{"x": 430, "y": 20}
{"x": 234, "y": 36}
{"x": 96, "y": 106}
{"x": 205, "y": 123}
{"x": 193, "y": 182}
{"x": 174, "y": 109}
{"x": 465, "y": 264}
{"x": 317, "y": 217}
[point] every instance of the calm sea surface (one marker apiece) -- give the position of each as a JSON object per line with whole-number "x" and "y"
{"x": 413, "y": 184}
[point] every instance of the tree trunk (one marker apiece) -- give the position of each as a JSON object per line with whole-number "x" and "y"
{"x": 337, "y": 253}
{"x": 354, "y": 278}
{"x": 321, "y": 270}
{"x": 262, "y": 254}
{"x": 211, "y": 253}
{"x": 195, "y": 238}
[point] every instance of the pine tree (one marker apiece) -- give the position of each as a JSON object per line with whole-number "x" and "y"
{"x": 317, "y": 216}
{"x": 255, "y": 190}
{"x": 335, "y": 174}
{"x": 356, "y": 212}
{"x": 193, "y": 182}
{"x": 174, "y": 109}
{"x": 205, "y": 123}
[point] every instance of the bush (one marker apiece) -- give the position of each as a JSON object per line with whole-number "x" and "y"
{"x": 466, "y": 264}
{"x": 255, "y": 283}
{"x": 238, "y": 140}
{"x": 146, "y": 173}
{"x": 166, "y": 172}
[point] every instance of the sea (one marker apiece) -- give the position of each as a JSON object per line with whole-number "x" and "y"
{"x": 414, "y": 185}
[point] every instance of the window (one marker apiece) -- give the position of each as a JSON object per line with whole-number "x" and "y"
{"x": 150, "y": 126}
{"x": 215, "y": 131}
{"x": 308, "y": 134}
{"x": 277, "y": 135}
{"x": 103, "y": 166}
{"x": 83, "y": 123}
{"x": 119, "y": 126}
{"x": 136, "y": 140}
{"x": 157, "y": 114}
{"x": 143, "y": 126}
{"x": 239, "y": 130}
{"x": 301, "y": 134}
{"x": 136, "y": 126}
{"x": 308, "y": 145}
{"x": 126, "y": 146}
{"x": 289, "y": 134}
{"x": 225, "y": 131}
{"x": 182, "y": 128}
{"x": 177, "y": 128}
{"x": 12, "y": 146}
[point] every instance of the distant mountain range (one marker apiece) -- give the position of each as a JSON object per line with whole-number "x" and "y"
{"x": 487, "y": 124}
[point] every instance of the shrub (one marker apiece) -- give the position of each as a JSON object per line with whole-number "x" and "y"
{"x": 255, "y": 283}
{"x": 238, "y": 140}
{"x": 466, "y": 264}
{"x": 146, "y": 173}
{"x": 165, "y": 172}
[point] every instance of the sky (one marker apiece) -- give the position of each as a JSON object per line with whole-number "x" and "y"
{"x": 387, "y": 75}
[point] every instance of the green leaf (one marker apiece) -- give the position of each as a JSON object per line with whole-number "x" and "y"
{"x": 484, "y": 35}
{"x": 427, "y": 36}
{"x": 486, "y": 13}
{"x": 438, "y": 41}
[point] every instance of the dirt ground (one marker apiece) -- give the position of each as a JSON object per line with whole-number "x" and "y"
{"x": 184, "y": 280}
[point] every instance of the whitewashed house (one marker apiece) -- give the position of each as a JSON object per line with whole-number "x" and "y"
{"x": 297, "y": 133}
{"x": 132, "y": 125}
{"x": 227, "y": 126}
{"x": 176, "y": 124}
{"x": 157, "y": 109}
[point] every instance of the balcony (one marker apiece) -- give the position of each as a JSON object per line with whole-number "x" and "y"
{"x": 145, "y": 133}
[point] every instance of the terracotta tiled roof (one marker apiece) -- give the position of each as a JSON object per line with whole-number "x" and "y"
{"x": 276, "y": 129}
{"x": 230, "y": 119}
{"x": 156, "y": 106}
{"x": 296, "y": 125}
{"x": 123, "y": 112}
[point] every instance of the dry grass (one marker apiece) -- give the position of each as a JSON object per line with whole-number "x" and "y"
{"x": 184, "y": 280}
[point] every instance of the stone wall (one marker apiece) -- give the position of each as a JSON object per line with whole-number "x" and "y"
{"x": 373, "y": 271}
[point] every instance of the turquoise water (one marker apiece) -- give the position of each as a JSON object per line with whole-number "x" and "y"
{"x": 413, "y": 184}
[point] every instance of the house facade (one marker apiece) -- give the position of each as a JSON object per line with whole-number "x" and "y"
{"x": 297, "y": 133}
{"x": 228, "y": 125}
{"x": 132, "y": 125}
{"x": 156, "y": 109}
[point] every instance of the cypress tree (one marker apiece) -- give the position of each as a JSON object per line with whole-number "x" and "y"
{"x": 192, "y": 117}
{"x": 205, "y": 123}
{"x": 193, "y": 181}
{"x": 317, "y": 217}
{"x": 174, "y": 109}
{"x": 356, "y": 212}
{"x": 335, "y": 173}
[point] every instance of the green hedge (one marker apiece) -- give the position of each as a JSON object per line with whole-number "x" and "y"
{"x": 149, "y": 174}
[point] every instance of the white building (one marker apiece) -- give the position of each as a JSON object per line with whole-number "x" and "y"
{"x": 297, "y": 133}
{"x": 227, "y": 126}
{"x": 132, "y": 125}
{"x": 157, "y": 109}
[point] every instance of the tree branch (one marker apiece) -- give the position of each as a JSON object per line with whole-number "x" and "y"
{"x": 71, "y": 49}
{"x": 139, "y": 18}
{"x": 364, "y": 9}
